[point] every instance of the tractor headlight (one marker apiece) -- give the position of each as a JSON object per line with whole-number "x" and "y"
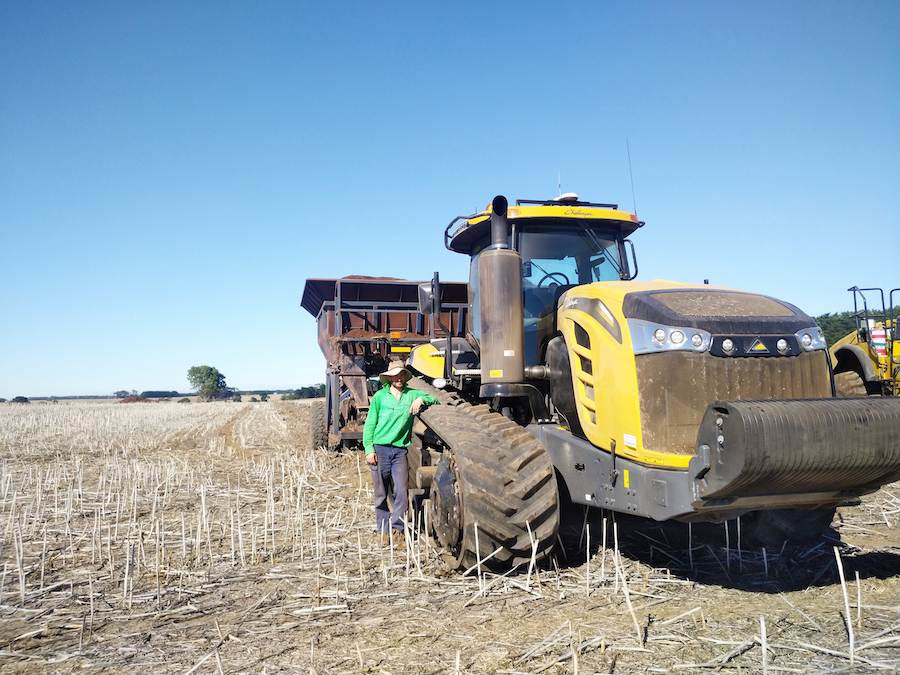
{"x": 812, "y": 339}
{"x": 647, "y": 337}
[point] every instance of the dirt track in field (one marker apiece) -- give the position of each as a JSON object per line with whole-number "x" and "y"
{"x": 210, "y": 538}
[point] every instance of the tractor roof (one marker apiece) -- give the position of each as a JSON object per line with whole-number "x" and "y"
{"x": 476, "y": 227}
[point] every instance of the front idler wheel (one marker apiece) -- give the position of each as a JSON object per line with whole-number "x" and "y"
{"x": 446, "y": 509}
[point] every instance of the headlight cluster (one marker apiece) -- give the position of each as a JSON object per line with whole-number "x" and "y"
{"x": 648, "y": 337}
{"x": 812, "y": 339}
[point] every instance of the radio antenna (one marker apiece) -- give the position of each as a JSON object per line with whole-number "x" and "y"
{"x": 559, "y": 182}
{"x": 631, "y": 176}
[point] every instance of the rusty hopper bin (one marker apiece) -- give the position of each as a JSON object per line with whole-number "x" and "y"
{"x": 363, "y": 323}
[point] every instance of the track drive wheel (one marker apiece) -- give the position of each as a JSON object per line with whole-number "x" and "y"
{"x": 495, "y": 475}
{"x": 318, "y": 426}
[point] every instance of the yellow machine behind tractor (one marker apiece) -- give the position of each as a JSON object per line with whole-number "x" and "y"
{"x": 867, "y": 360}
{"x": 561, "y": 377}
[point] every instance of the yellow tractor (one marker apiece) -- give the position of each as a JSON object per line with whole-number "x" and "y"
{"x": 571, "y": 381}
{"x": 867, "y": 361}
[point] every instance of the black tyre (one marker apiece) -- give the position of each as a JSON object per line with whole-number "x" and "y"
{"x": 498, "y": 476}
{"x": 318, "y": 423}
{"x": 849, "y": 383}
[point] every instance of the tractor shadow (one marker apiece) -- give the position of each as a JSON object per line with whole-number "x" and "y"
{"x": 716, "y": 554}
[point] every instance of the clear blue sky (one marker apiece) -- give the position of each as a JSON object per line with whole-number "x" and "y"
{"x": 171, "y": 172}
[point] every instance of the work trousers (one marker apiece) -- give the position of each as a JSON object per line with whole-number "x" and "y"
{"x": 390, "y": 479}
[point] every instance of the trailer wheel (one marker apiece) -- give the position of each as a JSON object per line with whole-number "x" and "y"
{"x": 318, "y": 426}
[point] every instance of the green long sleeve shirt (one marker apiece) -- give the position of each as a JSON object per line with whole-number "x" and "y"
{"x": 389, "y": 421}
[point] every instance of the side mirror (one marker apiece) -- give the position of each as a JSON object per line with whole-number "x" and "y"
{"x": 426, "y": 298}
{"x": 634, "y": 272}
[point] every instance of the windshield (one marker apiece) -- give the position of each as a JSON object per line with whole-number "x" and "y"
{"x": 567, "y": 257}
{"x": 555, "y": 257}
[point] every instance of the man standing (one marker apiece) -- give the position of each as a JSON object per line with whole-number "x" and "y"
{"x": 386, "y": 437}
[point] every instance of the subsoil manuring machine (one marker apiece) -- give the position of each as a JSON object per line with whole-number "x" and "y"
{"x": 362, "y": 324}
{"x": 573, "y": 381}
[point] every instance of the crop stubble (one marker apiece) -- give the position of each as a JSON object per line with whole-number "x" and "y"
{"x": 210, "y": 538}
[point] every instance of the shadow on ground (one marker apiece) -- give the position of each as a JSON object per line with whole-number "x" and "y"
{"x": 719, "y": 554}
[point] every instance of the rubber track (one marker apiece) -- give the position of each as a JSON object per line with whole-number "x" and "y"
{"x": 506, "y": 479}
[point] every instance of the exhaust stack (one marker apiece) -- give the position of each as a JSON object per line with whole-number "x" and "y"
{"x": 501, "y": 312}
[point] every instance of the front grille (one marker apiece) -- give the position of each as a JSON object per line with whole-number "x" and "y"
{"x": 675, "y": 388}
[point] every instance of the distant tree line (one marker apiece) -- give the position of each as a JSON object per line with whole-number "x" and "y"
{"x": 312, "y": 391}
{"x": 210, "y": 386}
{"x": 316, "y": 391}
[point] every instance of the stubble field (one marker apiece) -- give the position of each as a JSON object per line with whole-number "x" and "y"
{"x": 210, "y": 538}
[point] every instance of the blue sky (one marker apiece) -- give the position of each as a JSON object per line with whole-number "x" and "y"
{"x": 172, "y": 172}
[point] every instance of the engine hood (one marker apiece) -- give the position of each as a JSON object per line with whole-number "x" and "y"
{"x": 716, "y": 310}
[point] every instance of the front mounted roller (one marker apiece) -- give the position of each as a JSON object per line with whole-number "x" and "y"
{"x": 494, "y": 495}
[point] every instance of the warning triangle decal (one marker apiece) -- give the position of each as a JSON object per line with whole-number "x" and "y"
{"x": 758, "y": 347}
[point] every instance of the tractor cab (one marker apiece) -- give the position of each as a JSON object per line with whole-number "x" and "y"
{"x": 562, "y": 243}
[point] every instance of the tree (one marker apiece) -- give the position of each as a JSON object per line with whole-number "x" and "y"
{"x": 209, "y": 383}
{"x": 836, "y": 326}
{"x": 122, "y": 393}
{"x": 20, "y": 399}
{"x": 313, "y": 391}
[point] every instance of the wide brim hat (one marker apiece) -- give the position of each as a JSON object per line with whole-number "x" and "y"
{"x": 393, "y": 369}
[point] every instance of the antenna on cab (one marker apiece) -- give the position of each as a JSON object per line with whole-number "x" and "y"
{"x": 631, "y": 176}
